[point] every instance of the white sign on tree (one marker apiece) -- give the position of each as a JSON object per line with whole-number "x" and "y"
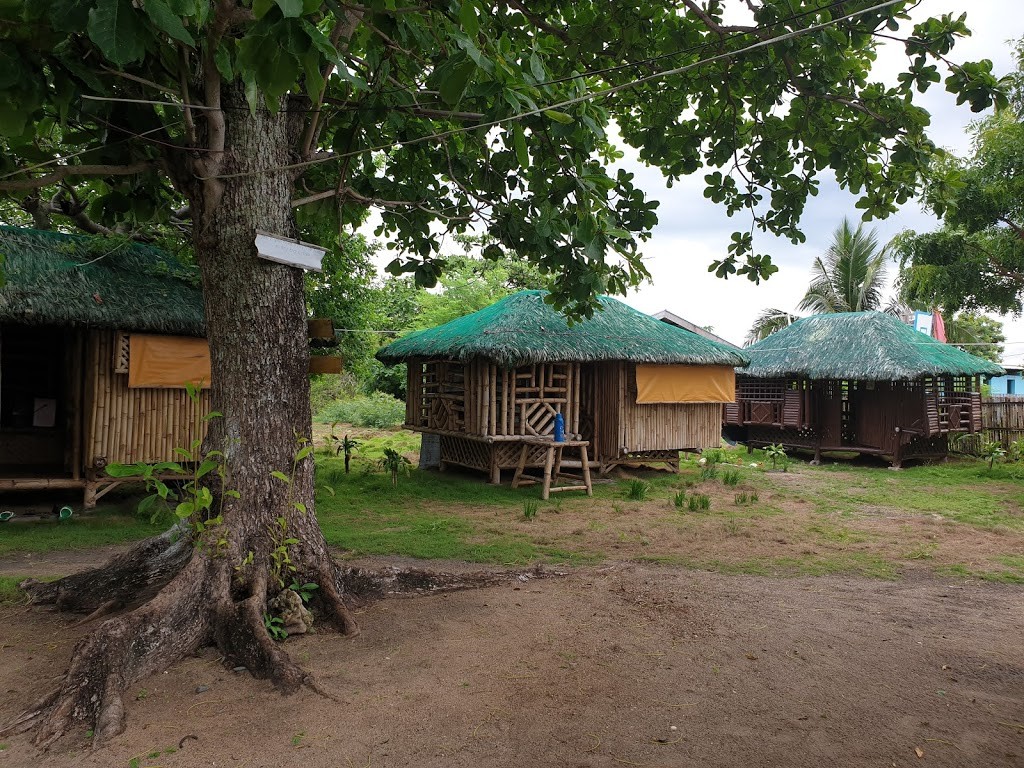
{"x": 294, "y": 253}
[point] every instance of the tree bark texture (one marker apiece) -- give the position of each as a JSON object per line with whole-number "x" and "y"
{"x": 214, "y": 585}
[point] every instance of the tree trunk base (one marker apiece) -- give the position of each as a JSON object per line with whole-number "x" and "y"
{"x": 189, "y": 599}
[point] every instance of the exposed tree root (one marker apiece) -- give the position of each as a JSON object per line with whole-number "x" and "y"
{"x": 186, "y": 599}
{"x": 365, "y": 585}
{"x": 125, "y": 649}
{"x": 128, "y": 579}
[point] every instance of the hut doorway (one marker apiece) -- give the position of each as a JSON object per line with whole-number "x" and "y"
{"x": 33, "y": 395}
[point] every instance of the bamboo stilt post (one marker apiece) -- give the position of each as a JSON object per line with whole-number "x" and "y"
{"x": 492, "y": 412}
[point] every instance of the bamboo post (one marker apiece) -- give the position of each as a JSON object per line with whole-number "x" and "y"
{"x": 578, "y": 401}
{"x": 492, "y": 413}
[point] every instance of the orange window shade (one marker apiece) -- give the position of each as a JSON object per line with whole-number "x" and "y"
{"x": 685, "y": 384}
{"x": 167, "y": 361}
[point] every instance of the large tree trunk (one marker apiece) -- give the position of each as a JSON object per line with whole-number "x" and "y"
{"x": 217, "y": 589}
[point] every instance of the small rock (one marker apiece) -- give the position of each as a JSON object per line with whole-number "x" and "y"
{"x": 239, "y": 669}
{"x": 204, "y": 688}
{"x": 672, "y": 728}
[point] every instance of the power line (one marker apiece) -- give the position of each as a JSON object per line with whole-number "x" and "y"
{"x": 610, "y": 91}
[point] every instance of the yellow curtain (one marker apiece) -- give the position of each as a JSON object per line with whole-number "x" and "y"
{"x": 167, "y": 361}
{"x": 685, "y": 384}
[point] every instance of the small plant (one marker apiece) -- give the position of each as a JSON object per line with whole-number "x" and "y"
{"x": 1016, "y": 452}
{"x": 699, "y": 502}
{"x": 711, "y": 457}
{"x": 617, "y": 508}
{"x": 304, "y": 591}
{"x": 530, "y": 507}
{"x": 636, "y": 490}
{"x": 753, "y": 497}
{"x": 275, "y": 627}
{"x": 992, "y": 452}
{"x": 776, "y": 454}
{"x": 393, "y": 462}
{"x": 689, "y": 483}
{"x": 679, "y": 499}
{"x": 740, "y": 499}
{"x": 348, "y": 446}
{"x": 730, "y": 477}
{"x": 709, "y": 473}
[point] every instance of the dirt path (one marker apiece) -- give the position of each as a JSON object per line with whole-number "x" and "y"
{"x": 620, "y": 665}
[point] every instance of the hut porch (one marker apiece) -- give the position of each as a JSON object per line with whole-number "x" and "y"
{"x": 898, "y": 419}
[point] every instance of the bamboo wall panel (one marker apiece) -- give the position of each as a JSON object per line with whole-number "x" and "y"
{"x": 666, "y": 426}
{"x": 129, "y": 425}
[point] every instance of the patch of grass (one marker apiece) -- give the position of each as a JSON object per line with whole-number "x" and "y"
{"x": 366, "y": 515}
{"x": 963, "y": 491}
{"x": 97, "y": 528}
{"x": 699, "y": 502}
{"x": 9, "y": 592}
{"x": 679, "y": 499}
{"x": 871, "y": 566}
{"x": 636, "y": 490}
{"x": 835, "y": 534}
{"x": 730, "y": 477}
{"x": 998, "y": 576}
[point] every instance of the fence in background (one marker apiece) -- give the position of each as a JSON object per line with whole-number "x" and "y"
{"x": 1002, "y": 421}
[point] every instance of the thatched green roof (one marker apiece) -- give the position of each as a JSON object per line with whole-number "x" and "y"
{"x": 858, "y": 346}
{"x": 522, "y": 329}
{"x": 81, "y": 280}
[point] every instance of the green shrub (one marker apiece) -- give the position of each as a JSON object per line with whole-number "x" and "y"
{"x": 679, "y": 499}
{"x": 709, "y": 472}
{"x": 730, "y": 477}
{"x": 325, "y": 389}
{"x": 530, "y": 509}
{"x": 378, "y": 410}
{"x": 740, "y": 499}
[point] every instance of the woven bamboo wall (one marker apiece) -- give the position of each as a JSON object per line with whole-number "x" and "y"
{"x": 483, "y": 399}
{"x": 622, "y": 426}
{"x": 127, "y": 425}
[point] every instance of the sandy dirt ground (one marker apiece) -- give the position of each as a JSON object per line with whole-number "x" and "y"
{"x": 618, "y": 665}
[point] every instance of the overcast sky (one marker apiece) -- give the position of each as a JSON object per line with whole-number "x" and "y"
{"x": 693, "y": 232}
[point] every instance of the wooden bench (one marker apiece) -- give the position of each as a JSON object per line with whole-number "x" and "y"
{"x": 553, "y": 466}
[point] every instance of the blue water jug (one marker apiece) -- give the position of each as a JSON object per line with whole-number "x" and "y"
{"x": 559, "y": 428}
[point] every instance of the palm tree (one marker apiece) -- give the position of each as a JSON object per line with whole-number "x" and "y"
{"x": 849, "y": 277}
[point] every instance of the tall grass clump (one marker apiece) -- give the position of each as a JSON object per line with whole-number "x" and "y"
{"x": 636, "y": 490}
{"x": 699, "y": 502}
{"x": 379, "y": 410}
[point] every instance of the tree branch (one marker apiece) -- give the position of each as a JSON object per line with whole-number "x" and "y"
{"x": 66, "y": 171}
{"x": 1017, "y": 229}
{"x": 711, "y": 24}
{"x": 539, "y": 22}
{"x": 344, "y": 29}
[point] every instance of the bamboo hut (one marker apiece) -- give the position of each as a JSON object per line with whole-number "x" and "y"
{"x": 857, "y": 381}
{"x": 634, "y": 388}
{"x": 97, "y": 338}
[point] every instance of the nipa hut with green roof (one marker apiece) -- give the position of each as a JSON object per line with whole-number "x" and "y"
{"x": 637, "y": 389}
{"x": 97, "y": 339}
{"x": 857, "y": 381}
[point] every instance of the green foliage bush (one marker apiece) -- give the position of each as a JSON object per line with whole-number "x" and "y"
{"x": 379, "y": 410}
{"x": 325, "y": 389}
